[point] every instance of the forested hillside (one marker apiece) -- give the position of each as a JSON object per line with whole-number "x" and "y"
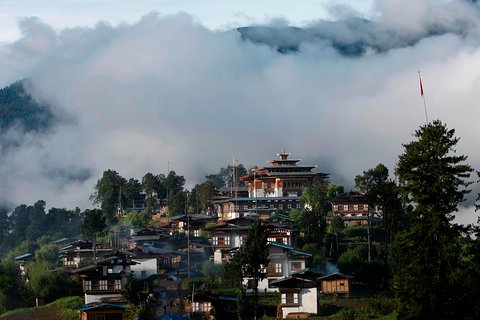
{"x": 17, "y": 108}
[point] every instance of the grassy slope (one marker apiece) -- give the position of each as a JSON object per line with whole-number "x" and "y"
{"x": 61, "y": 309}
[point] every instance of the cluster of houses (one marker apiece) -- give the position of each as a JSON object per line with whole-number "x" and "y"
{"x": 271, "y": 192}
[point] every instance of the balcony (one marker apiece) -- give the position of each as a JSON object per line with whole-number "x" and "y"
{"x": 102, "y": 286}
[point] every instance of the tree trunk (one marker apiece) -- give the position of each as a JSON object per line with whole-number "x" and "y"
{"x": 255, "y": 300}
{"x": 94, "y": 247}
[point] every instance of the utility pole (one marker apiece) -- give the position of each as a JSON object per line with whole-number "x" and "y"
{"x": 188, "y": 234}
{"x": 255, "y": 191}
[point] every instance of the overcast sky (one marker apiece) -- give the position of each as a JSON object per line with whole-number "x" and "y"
{"x": 140, "y": 90}
{"x": 213, "y": 14}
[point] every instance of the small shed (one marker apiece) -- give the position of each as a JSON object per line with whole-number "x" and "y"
{"x": 335, "y": 283}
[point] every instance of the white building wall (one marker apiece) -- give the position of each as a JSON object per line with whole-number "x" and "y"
{"x": 235, "y": 241}
{"x": 278, "y": 188}
{"x": 89, "y": 298}
{"x": 217, "y": 257}
{"x": 116, "y": 269}
{"x": 258, "y": 193}
{"x": 307, "y": 302}
{"x": 289, "y": 266}
{"x": 261, "y": 286}
{"x": 149, "y": 266}
{"x": 286, "y": 271}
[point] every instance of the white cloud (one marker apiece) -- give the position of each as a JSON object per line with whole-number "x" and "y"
{"x": 168, "y": 90}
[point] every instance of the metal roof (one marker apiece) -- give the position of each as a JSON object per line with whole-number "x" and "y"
{"x": 23, "y": 256}
{"x": 100, "y": 305}
{"x": 335, "y": 275}
{"x": 291, "y": 249}
{"x": 161, "y": 250}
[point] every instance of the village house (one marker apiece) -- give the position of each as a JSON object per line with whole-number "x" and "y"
{"x": 204, "y": 303}
{"x": 166, "y": 260}
{"x": 104, "y": 279}
{"x": 353, "y": 208}
{"x": 147, "y": 265}
{"x": 192, "y": 224}
{"x": 73, "y": 254}
{"x": 282, "y": 229}
{"x": 22, "y": 261}
{"x": 228, "y": 235}
{"x": 298, "y": 297}
{"x": 232, "y": 192}
{"x": 283, "y": 261}
{"x": 201, "y": 302}
{"x": 146, "y": 237}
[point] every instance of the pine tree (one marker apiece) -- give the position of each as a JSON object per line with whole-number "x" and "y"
{"x": 93, "y": 225}
{"x": 108, "y": 193}
{"x": 425, "y": 259}
{"x": 234, "y": 272}
{"x": 254, "y": 256}
{"x": 383, "y": 192}
{"x": 312, "y": 219}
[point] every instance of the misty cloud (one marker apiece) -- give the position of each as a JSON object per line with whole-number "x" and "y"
{"x": 168, "y": 90}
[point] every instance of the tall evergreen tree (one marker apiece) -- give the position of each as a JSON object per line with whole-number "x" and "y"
{"x": 312, "y": 219}
{"x": 20, "y": 219}
{"x": 149, "y": 184}
{"x": 37, "y": 221}
{"x": 161, "y": 187}
{"x": 131, "y": 190}
{"x": 93, "y": 225}
{"x": 383, "y": 192}
{"x": 426, "y": 258}
{"x": 5, "y": 224}
{"x": 204, "y": 194}
{"x": 254, "y": 254}
{"x": 108, "y": 192}
{"x": 174, "y": 183}
{"x": 234, "y": 272}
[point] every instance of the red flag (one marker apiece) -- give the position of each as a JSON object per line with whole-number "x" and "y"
{"x": 421, "y": 88}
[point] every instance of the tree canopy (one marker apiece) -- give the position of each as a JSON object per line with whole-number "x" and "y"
{"x": 18, "y": 108}
{"x": 228, "y": 176}
{"x": 312, "y": 218}
{"x": 383, "y": 192}
{"x": 93, "y": 225}
{"x": 427, "y": 261}
{"x": 108, "y": 192}
{"x": 254, "y": 254}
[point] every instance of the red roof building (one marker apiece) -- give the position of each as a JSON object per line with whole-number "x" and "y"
{"x": 282, "y": 178}
{"x": 276, "y": 187}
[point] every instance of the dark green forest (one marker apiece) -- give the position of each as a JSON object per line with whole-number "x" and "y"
{"x": 17, "y": 108}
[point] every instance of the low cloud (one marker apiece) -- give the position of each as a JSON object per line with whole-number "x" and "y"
{"x": 168, "y": 92}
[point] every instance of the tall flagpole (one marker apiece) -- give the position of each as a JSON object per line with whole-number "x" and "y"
{"x": 423, "y": 97}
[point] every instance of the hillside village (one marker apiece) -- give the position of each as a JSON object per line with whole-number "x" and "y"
{"x": 173, "y": 248}
{"x": 117, "y": 201}
{"x": 276, "y": 241}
